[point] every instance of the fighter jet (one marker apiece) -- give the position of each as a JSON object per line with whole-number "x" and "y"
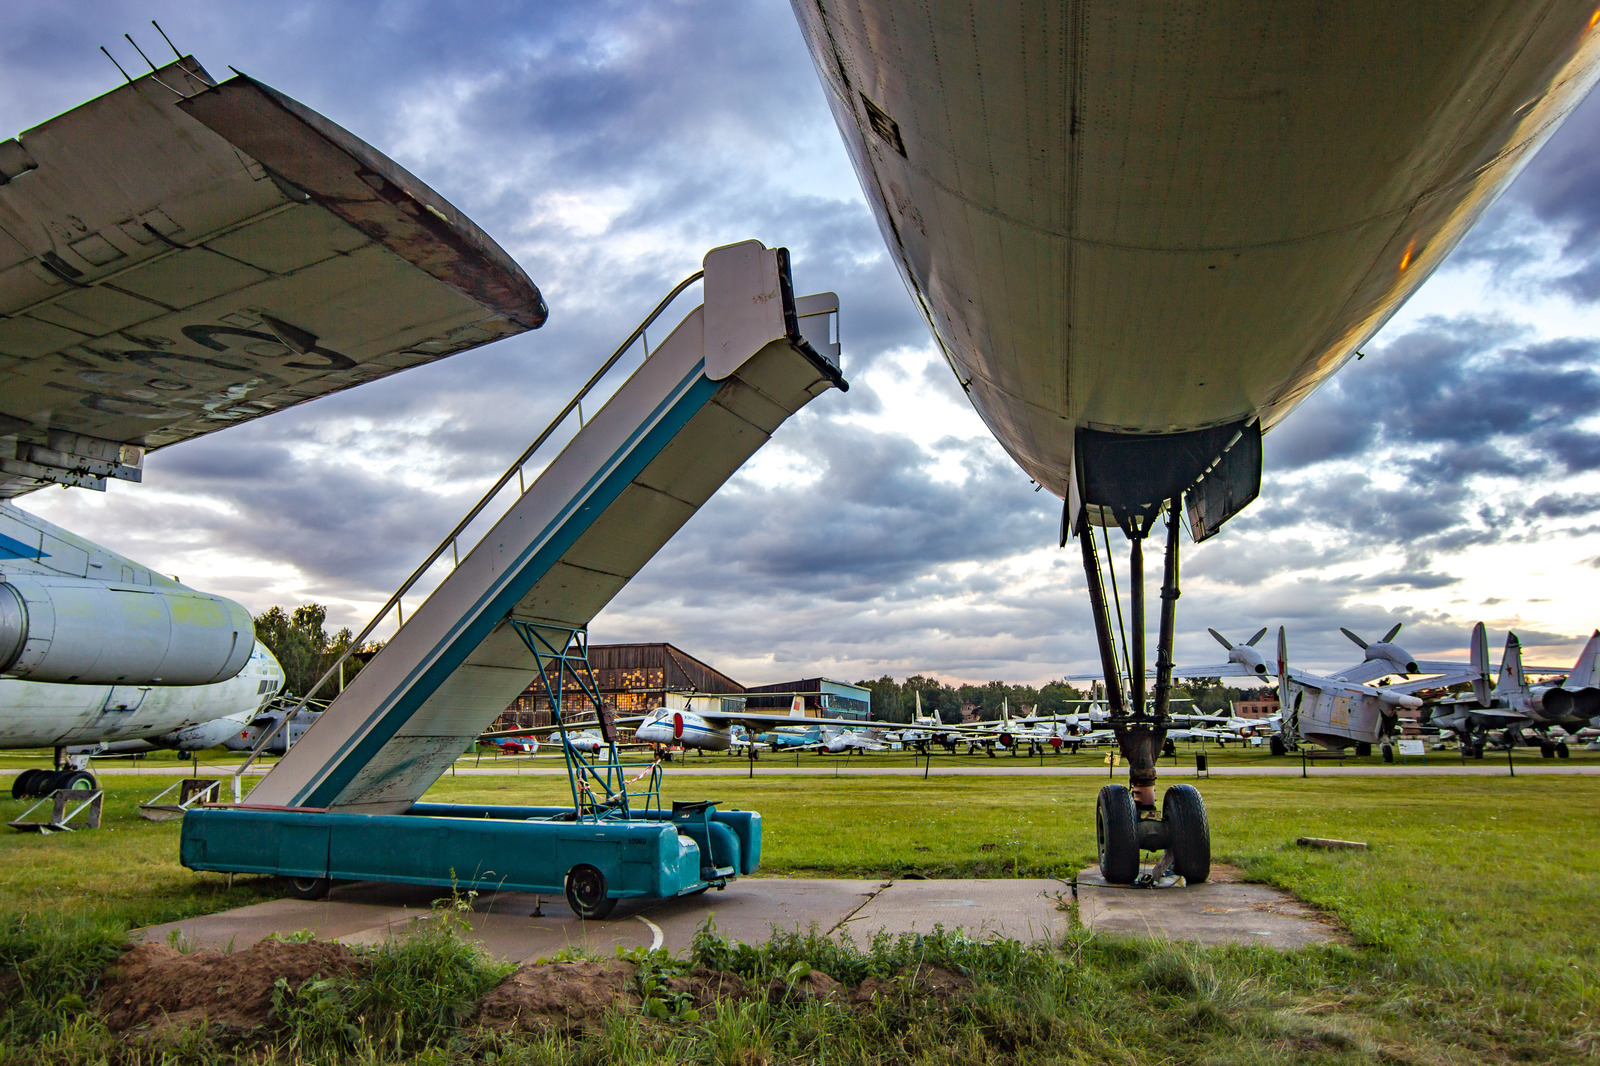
{"x": 1570, "y": 702}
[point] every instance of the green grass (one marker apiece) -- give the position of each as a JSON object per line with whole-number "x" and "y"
{"x": 1475, "y": 920}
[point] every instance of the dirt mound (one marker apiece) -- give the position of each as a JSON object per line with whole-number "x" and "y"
{"x": 153, "y": 984}
{"x": 558, "y": 996}
{"x": 815, "y": 986}
{"x": 935, "y": 981}
{"x": 706, "y": 987}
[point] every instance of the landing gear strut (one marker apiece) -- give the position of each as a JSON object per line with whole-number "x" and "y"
{"x": 1127, "y": 820}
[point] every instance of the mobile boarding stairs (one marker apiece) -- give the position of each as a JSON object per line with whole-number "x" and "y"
{"x": 343, "y": 802}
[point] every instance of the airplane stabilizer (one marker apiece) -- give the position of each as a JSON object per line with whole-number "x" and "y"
{"x": 1481, "y": 685}
{"x": 1510, "y": 679}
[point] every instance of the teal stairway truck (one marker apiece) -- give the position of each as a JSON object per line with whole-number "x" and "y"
{"x": 344, "y": 801}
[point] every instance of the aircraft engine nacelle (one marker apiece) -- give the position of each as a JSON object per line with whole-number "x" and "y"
{"x": 1555, "y": 702}
{"x": 69, "y": 630}
{"x": 1393, "y": 701}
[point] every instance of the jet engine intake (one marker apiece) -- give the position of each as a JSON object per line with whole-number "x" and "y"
{"x": 69, "y": 630}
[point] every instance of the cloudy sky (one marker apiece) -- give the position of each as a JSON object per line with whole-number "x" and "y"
{"x": 1449, "y": 476}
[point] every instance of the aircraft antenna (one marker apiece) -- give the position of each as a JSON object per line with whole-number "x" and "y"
{"x": 142, "y": 56}
{"x": 116, "y": 64}
{"x": 176, "y": 54}
{"x": 152, "y": 66}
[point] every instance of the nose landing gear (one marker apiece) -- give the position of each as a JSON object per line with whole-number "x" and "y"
{"x": 1127, "y": 820}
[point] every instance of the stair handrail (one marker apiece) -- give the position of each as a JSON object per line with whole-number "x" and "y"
{"x": 515, "y": 469}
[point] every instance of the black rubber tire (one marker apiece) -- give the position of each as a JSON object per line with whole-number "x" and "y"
{"x": 23, "y": 787}
{"x": 1189, "y": 832}
{"x": 586, "y": 893}
{"x": 1547, "y": 750}
{"x": 1116, "y": 839}
{"x": 1277, "y": 746}
{"x": 309, "y": 887}
{"x": 1388, "y": 752}
{"x": 74, "y": 780}
{"x": 1563, "y": 752}
{"x": 1363, "y": 749}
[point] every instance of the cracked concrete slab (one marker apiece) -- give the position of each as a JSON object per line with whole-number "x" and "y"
{"x": 1021, "y": 909}
{"x": 522, "y": 926}
{"x": 1224, "y": 910}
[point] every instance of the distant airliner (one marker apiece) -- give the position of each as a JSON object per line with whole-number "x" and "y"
{"x": 177, "y": 256}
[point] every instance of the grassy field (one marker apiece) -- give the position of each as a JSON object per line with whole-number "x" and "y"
{"x": 1221, "y": 757}
{"x": 1475, "y": 917}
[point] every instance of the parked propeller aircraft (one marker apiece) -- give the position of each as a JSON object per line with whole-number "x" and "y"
{"x": 1128, "y": 230}
{"x": 177, "y": 256}
{"x": 1336, "y": 713}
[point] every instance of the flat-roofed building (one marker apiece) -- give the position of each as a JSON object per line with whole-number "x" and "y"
{"x": 1262, "y": 708}
{"x": 823, "y": 696}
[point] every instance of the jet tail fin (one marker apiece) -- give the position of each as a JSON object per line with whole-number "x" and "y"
{"x": 1480, "y": 664}
{"x": 1511, "y": 666}
{"x": 797, "y": 707}
{"x": 1586, "y": 671}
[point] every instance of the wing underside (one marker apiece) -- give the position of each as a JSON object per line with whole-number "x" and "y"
{"x": 178, "y": 255}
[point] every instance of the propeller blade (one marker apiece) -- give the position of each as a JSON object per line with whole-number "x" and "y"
{"x": 1395, "y": 632}
{"x": 1359, "y": 642}
{"x": 1222, "y": 639}
{"x": 1259, "y": 634}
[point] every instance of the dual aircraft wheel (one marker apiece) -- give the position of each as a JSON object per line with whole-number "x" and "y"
{"x": 1184, "y": 830}
{"x": 33, "y": 784}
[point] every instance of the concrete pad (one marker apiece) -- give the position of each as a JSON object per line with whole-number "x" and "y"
{"x": 750, "y": 908}
{"x": 370, "y": 913}
{"x": 1221, "y": 911}
{"x": 1025, "y": 910}
{"x": 244, "y": 926}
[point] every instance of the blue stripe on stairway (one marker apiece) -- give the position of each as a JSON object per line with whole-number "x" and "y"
{"x": 536, "y": 559}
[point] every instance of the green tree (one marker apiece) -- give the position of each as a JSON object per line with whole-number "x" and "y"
{"x": 301, "y": 643}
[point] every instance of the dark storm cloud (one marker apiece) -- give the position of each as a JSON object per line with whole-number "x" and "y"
{"x": 607, "y": 146}
{"x": 1559, "y": 193}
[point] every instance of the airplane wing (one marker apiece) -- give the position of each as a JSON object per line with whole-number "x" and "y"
{"x": 177, "y": 256}
{"x": 1363, "y": 672}
{"x": 1217, "y": 670}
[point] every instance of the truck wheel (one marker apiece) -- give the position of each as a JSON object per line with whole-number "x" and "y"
{"x": 309, "y": 887}
{"x": 1185, "y": 814}
{"x": 1115, "y": 837}
{"x": 586, "y": 893}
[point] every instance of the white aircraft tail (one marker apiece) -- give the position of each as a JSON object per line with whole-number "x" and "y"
{"x": 1481, "y": 685}
{"x": 1586, "y": 671}
{"x": 1283, "y": 669}
{"x": 797, "y": 707}
{"x": 1511, "y": 679}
